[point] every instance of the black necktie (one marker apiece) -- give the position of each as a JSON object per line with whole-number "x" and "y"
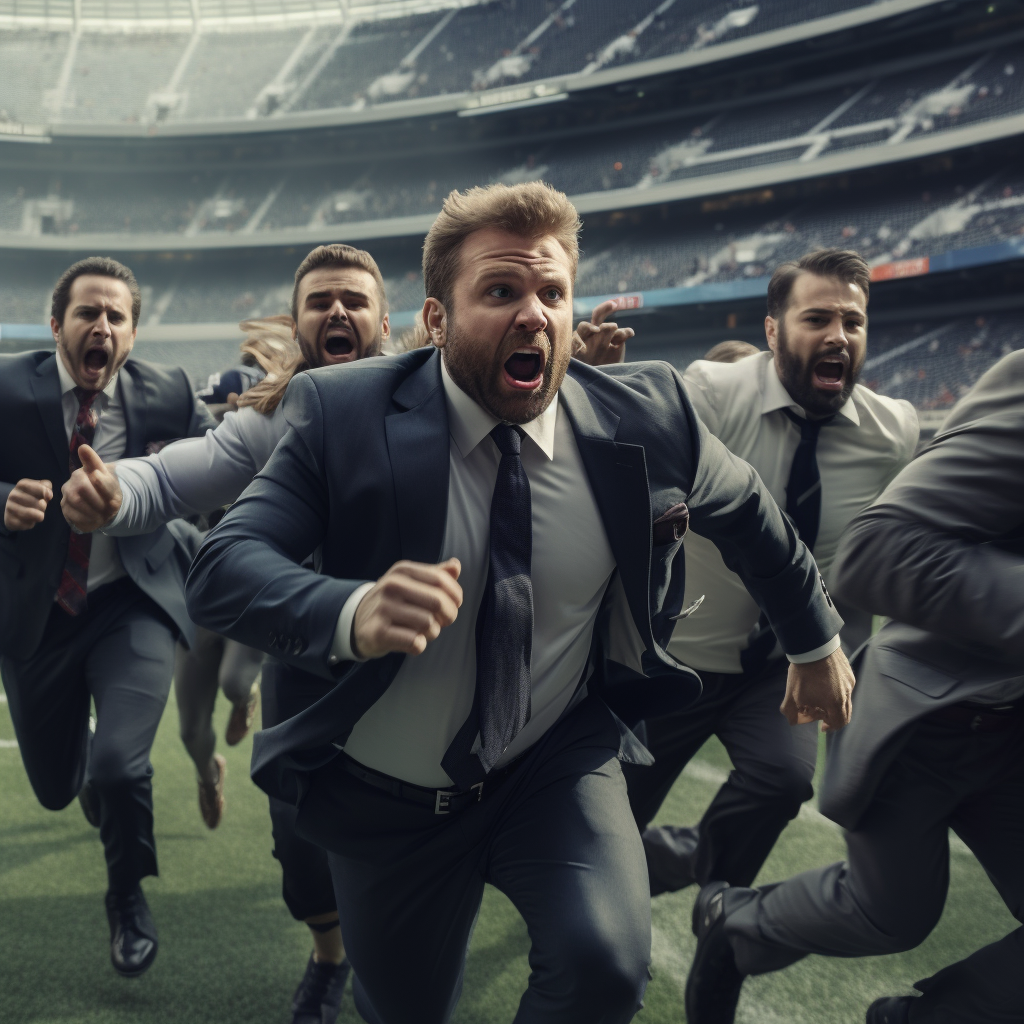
{"x": 504, "y": 625}
{"x": 803, "y": 506}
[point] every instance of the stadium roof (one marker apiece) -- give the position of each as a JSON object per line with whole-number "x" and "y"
{"x": 186, "y": 15}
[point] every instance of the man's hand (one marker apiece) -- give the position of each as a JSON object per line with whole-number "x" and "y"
{"x": 820, "y": 691}
{"x": 407, "y": 608}
{"x": 92, "y": 497}
{"x": 26, "y": 504}
{"x": 602, "y": 343}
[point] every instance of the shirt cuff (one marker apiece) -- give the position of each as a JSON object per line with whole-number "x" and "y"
{"x": 816, "y": 655}
{"x": 341, "y": 649}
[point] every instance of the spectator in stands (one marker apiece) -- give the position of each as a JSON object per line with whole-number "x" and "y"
{"x": 937, "y": 741}
{"x": 85, "y": 618}
{"x": 730, "y": 351}
{"x": 340, "y": 315}
{"x": 825, "y": 448}
{"x": 213, "y": 662}
{"x": 490, "y": 756}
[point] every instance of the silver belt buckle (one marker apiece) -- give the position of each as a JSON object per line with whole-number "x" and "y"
{"x": 442, "y": 800}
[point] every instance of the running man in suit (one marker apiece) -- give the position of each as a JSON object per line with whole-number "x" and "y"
{"x": 937, "y": 741}
{"x": 492, "y": 524}
{"x": 339, "y": 314}
{"x": 90, "y": 618}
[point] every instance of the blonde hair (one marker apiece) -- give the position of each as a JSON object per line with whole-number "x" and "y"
{"x": 416, "y": 336}
{"x": 269, "y": 341}
{"x": 531, "y": 210}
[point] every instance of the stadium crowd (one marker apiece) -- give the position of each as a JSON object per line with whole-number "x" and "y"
{"x": 498, "y": 587}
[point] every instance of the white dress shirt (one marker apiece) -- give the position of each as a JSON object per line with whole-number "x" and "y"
{"x": 406, "y": 733}
{"x": 109, "y": 443}
{"x": 870, "y": 440}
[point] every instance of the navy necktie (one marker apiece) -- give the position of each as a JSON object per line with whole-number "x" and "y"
{"x": 803, "y": 506}
{"x": 504, "y": 626}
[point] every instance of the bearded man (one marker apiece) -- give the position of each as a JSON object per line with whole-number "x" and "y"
{"x": 339, "y": 315}
{"x": 493, "y": 524}
{"x": 825, "y": 447}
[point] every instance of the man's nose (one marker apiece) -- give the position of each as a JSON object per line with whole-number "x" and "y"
{"x": 337, "y": 311}
{"x": 531, "y": 316}
{"x": 836, "y": 334}
{"x": 101, "y": 326}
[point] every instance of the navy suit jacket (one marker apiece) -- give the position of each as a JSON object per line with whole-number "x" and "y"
{"x": 361, "y": 481}
{"x": 158, "y": 406}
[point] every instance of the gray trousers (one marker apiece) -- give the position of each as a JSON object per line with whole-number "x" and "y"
{"x": 212, "y": 663}
{"x": 889, "y": 893}
{"x": 118, "y": 653}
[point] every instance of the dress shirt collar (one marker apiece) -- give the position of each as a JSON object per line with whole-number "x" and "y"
{"x": 775, "y": 396}
{"x": 67, "y": 382}
{"x": 469, "y": 424}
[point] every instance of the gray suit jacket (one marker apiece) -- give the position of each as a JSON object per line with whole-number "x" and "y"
{"x": 942, "y": 554}
{"x": 158, "y": 404}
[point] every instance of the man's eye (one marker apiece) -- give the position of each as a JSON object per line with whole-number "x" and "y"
{"x": 501, "y": 292}
{"x": 553, "y": 294}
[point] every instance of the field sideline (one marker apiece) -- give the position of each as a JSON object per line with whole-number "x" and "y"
{"x": 230, "y": 953}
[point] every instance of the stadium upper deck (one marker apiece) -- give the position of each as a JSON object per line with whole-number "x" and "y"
{"x": 184, "y": 61}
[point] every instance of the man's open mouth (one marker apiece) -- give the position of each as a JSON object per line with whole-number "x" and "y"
{"x": 96, "y": 359}
{"x": 339, "y": 343}
{"x": 524, "y": 368}
{"x": 830, "y": 373}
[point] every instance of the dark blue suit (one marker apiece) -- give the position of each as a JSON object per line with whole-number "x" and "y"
{"x": 120, "y": 651}
{"x": 361, "y": 480}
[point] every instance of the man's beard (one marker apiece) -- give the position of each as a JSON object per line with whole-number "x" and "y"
{"x": 797, "y": 377}
{"x": 313, "y": 355}
{"x": 479, "y": 373}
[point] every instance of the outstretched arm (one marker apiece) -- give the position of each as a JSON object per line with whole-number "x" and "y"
{"x": 188, "y": 477}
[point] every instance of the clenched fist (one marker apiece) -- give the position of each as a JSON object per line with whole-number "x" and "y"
{"x": 92, "y": 497}
{"x": 26, "y": 504}
{"x": 820, "y": 691}
{"x": 407, "y": 608}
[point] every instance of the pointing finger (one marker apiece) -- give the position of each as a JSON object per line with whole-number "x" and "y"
{"x": 602, "y": 310}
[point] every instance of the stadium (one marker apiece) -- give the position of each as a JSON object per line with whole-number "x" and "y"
{"x": 210, "y": 144}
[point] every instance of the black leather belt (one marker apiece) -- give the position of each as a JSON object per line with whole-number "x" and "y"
{"x": 442, "y": 801}
{"x": 980, "y": 717}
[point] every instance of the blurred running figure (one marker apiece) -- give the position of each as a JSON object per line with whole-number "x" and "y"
{"x": 825, "y": 448}
{"x": 340, "y": 315}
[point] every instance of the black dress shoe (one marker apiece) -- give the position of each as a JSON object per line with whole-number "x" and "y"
{"x": 133, "y": 941}
{"x": 317, "y": 1000}
{"x": 714, "y": 983}
{"x": 890, "y": 1010}
{"x": 89, "y": 801}
{"x": 670, "y": 850}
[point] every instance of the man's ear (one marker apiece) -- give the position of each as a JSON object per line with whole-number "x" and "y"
{"x": 436, "y": 322}
{"x": 55, "y": 330}
{"x": 385, "y": 327}
{"x": 771, "y": 332}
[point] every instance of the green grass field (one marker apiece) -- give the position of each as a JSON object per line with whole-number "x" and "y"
{"x": 230, "y": 953}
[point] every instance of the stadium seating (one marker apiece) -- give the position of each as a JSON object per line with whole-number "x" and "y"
{"x": 266, "y": 59}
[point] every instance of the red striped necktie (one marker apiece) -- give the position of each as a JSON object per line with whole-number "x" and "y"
{"x": 72, "y": 592}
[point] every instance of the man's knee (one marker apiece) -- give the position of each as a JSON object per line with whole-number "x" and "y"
{"x": 785, "y": 785}
{"x": 110, "y": 768}
{"x": 604, "y": 975}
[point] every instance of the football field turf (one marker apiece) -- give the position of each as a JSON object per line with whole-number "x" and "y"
{"x": 230, "y": 953}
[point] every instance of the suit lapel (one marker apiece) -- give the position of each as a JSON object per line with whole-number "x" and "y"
{"x": 46, "y": 391}
{"x": 133, "y": 401}
{"x": 418, "y": 446}
{"x": 618, "y": 477}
